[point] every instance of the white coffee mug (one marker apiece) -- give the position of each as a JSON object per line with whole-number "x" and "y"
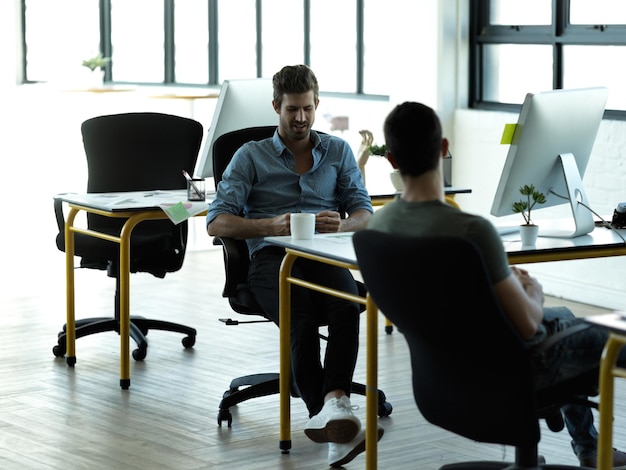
{"x": 302, "y": 226}
{"x": 396, "y": 180}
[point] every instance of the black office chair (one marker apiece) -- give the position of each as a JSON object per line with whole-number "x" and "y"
{"x": 472, "y": 373}
{"x": 236, "y": 263}
{"x": 134, "y": 152}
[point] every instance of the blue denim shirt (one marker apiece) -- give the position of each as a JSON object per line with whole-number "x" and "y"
{"x": 261, "y": 182}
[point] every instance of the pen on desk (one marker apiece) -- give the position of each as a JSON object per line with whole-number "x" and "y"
{"x": 195, "y": 188}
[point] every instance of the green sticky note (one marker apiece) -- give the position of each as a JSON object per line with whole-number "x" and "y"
{"x": 177, "y": 212}
{"x": 507, "y": 135}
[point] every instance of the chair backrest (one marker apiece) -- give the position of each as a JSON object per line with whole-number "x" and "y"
{"x": 139, "y": 151}
{"x": 236, "y": 256}
{"x": 471, "y": 371}
{"x": 142, "y": 151}
{"x": 227, "y": 144}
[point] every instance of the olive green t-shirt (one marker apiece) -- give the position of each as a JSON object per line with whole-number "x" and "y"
{"x": 435, "y": 218}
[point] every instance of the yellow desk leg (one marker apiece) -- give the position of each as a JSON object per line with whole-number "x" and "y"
{"x": 70, "y": 322}
{"x": 607, "y": 372}
{"x": 371, "y": 396}
{"x": 127, "y": 229}
{"x": 125, "y": 304}
{"x": 284, "y": 319}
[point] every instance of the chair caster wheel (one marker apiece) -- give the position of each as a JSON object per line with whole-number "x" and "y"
{"x": 58, "y": 350}
{"x": 139, "y": 354}
{"x": 189, "y": 341}
{"x": 389, "y": 329}
{"x": 384, "y": 409}
{"x": 224, "y": 415}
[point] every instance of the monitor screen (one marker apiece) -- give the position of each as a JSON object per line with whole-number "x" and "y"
{"x": 550, "y": 149}
{"x": 241, "y": 104}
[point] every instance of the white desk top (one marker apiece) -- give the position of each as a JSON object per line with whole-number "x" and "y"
{"x": 338, "y": 246}
{"x": 600, "y": 236}
{"x": 132, "y": 200}
{"x": 613, "y": 321}
{"x": 173, "y": 202}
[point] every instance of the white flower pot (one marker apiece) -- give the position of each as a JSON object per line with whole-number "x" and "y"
{"x": 528, "y": 234}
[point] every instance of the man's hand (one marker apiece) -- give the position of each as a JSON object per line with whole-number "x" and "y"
{"x": 327, "y": 222}
{"x": 530, "y": 284}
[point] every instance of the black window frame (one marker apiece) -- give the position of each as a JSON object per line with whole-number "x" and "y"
{"x": 558, "y": 34}
{"x": 214, "y": 81}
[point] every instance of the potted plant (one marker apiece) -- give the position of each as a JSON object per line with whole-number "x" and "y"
{"x": 528, "y": 230}
{"x": 97, "y": 62}
{"x": 378, "y": 150}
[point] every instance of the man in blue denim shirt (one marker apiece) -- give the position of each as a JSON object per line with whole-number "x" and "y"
{"x": 299, "y": 170}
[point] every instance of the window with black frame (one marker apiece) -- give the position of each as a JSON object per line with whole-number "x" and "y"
{"x": 521, "y": 46}
{"x": 204, "y": 42}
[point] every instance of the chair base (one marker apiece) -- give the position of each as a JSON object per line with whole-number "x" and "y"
{"x": 525, "y": 459}
{"x": 261, "y": 385}
{"x": 489, "y": 465}
{"x": 139, "y": 327}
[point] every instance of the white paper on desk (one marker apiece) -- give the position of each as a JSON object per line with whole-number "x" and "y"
{"x": 180, "y": 211}
{"x": 343, "y": 238}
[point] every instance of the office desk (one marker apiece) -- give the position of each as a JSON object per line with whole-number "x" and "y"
{"x": 450, "y": 191}
{"x": 601, "y": 242}
{"x": 337, "y": 249}
{"x": 136, "y": 207}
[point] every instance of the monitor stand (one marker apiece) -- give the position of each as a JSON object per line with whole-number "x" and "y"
{"x": 583, "y": 221}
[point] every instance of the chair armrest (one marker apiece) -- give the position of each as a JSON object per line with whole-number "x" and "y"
{"x": 60, "y": 216}
{"x": 236, "y": 263}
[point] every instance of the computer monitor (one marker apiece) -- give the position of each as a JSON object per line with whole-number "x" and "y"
{"x": 241, "y": 103}
{"x": 550, "y": 149}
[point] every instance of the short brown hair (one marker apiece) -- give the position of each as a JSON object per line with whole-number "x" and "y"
{"x": 294, "y": 79}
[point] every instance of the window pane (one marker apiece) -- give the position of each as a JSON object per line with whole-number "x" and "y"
{"x": 597, "y": 12}
{"x": 237, "y": 39}
{"x": 53, "y": 52}
{"x": 191, "y": 35}
{"x": 507, "y": 76}
{"x": 586, "y": 66}
{"x": 520, "y": 12}
{"x": 283, "y": 34}
{"x": 137, "y": 51}
{"x": 377, "y": 42}
{"x": 333, "y": 44}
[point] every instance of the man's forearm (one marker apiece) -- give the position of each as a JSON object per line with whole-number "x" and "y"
{"x": 355, "y": 221}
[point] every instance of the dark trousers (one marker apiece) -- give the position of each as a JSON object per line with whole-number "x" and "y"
{"x": 310, "y": 310}
{"x": 572, "y": 356}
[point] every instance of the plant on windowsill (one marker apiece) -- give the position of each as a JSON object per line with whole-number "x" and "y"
{"x": 97, "y": 62}
{"x": 96, "y": 79}
{"x": 528, "y": 230}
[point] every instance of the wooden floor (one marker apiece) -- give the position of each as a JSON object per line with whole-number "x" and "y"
{"x": 56, "y": 417}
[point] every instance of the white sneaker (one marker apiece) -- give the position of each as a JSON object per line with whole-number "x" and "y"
{"x": 341, "y": 454}
{"x": 334, "y": 423}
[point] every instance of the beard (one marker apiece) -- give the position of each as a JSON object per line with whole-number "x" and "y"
{"x": 295, "y": 130}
